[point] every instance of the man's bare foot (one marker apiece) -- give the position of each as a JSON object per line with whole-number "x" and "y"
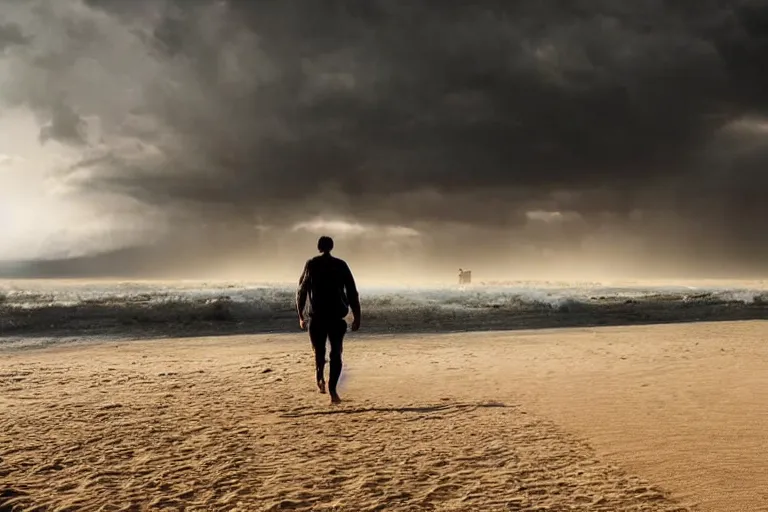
{"x": 321, "y": 386}
{"x": 335, "y": 399}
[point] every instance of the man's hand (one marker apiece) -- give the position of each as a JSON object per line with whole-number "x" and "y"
{"x": 302, "y": 324}
{"x": 356, "y": 324}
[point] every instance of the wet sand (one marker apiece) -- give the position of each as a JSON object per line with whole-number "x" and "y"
{"x": 616, "y": 418}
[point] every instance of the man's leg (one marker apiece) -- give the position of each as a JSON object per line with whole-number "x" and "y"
{"x": 318, "y": 334}
{"x": 336, "y": 333}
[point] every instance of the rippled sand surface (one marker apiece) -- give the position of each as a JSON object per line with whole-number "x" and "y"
{"x": 631, "y": 418}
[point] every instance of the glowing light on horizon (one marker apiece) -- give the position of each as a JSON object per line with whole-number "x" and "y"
{"x": 340, "y": 227}
{"x": 544, "y": 216}
{"x": 749, "y": 125}
{"x": 332, "y": 227}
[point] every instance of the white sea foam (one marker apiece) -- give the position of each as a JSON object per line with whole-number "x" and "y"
{"x": 267, "y": 296}
{"x": 72, "y": 308}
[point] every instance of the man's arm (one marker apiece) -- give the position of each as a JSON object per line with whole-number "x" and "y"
{"x": 301, "y": 293}
{"x": 352, "y": 296}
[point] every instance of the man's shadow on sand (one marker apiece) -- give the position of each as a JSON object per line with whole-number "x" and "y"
{"x": 426, "y": 409}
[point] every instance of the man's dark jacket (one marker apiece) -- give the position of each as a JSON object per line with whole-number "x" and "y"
{"x": 328, "y": 283}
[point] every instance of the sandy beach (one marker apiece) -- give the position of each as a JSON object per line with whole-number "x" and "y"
{"x": 667, "y": 417}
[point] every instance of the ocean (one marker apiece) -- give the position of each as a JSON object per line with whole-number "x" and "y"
{"x": 46, "y": 311}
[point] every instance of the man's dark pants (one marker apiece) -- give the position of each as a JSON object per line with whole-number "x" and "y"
{"x": 333, "y": 330}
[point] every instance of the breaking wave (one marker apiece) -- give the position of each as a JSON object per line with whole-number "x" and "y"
{"x": 44, "y": 308}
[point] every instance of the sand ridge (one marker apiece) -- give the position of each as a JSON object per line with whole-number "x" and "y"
{"x": 234, "y": 424}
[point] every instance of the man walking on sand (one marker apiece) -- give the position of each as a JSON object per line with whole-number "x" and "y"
{"x": 332, "y": 292}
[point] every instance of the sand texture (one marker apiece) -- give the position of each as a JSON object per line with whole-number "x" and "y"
{"x": 632, "y": 418}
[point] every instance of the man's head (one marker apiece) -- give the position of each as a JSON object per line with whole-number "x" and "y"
{"x": 325, "y": 244}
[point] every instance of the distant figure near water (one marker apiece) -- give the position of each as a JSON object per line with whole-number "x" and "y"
{"x": 328, "y": 283}
{"x": 465, "y": 277}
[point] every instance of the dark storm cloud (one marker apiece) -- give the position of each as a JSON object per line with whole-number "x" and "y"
{"x": 409, "y": 112}
{"x": 65, "y": 126}
{"x": 10, "y": 35}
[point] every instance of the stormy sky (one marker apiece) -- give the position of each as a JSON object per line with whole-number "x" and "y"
{"x": 529, "y": 136}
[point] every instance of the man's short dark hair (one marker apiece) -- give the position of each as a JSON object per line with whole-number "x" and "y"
{"x": 325, "y": 244}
